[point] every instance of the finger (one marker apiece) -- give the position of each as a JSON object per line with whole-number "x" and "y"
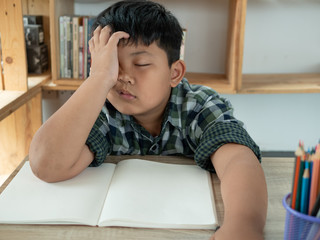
{"x": 115, "y": 37}
{"x": 91, "y": 45}
{"x": 96, "y": 35}
{"x": 105, "y": 34}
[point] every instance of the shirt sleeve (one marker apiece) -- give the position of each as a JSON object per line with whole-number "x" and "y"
{"x": 215, "y": 126}
{"x": 218, "y": 135}
{"x": 97, "y": 140}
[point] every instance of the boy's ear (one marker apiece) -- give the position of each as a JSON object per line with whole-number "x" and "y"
{"x": 178, "y": 69}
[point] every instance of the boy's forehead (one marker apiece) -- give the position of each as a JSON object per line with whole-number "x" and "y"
{"x": 142, "y": 49}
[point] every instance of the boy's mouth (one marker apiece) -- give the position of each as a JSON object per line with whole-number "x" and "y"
{"x": 126, "y": 95}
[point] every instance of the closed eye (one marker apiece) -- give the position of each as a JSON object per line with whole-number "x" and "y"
{"x": 143, "y": 65}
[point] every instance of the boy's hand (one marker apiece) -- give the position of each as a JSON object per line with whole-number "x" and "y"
{"x": 104, "y": 54}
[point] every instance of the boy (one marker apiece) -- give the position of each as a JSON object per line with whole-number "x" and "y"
{"x": 151, "y": 109}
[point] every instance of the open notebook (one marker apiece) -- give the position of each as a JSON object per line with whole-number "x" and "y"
{"x": 132, "y": 193}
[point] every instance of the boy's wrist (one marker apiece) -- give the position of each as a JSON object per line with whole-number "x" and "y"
{"x": 103, "y": 80}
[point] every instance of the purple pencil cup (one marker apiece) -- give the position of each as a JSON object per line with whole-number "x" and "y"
{"x": 299, "y": 226}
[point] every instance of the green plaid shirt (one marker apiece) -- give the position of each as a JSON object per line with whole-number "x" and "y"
{"x": 196, "y": 123}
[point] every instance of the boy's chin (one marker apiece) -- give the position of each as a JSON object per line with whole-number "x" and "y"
{"x": 125, "y": 110}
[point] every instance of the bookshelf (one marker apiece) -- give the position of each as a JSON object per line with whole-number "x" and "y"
{"x": 225, "y": 83}
{"x": 233, "y": 80}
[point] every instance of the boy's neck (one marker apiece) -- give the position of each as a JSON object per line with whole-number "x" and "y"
{"x": 153, "y": 128}
{"x": 151, "y": 124}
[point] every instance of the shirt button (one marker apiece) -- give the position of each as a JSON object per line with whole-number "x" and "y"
{"x": 154, "y": 147}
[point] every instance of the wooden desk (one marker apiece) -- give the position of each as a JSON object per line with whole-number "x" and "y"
{"x": 278, "y": 173}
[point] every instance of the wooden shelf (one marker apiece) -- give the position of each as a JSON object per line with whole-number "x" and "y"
{"x": 8, "y": 100}
{"x": 69, "y": 82}
{"x": 280, "y": 83}
{"x": 12, "y": 100}
{"x": 36, "y": 80}
{"x": 51, "y": 86}
{"x": 218, "y": 82}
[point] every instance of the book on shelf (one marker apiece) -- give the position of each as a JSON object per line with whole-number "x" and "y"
{"x": 62, "y": 36}
{"x": 85, "y": 47}
{"x": 88, "y": 57}
{"x": 68, "y": 47}
{"x": 75, "y": 46}
{"x": 65, "y": 42}
{"x": 74, "y": 35}
{"x": 81, "y": 44}
{"x": 132, "y": 193}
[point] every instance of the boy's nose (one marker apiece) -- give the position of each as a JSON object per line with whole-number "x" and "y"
{"x": 123, "y": 77}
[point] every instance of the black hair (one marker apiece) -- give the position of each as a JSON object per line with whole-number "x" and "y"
{"x": 146, "y": 22}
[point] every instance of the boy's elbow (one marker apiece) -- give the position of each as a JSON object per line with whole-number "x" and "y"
{"x": 41, "y": 164}
{"x": 45, "y": 167}
{"x": 40, "y": 170}
{"x": 52, "y": 167}
{"x": 49, "y": 170}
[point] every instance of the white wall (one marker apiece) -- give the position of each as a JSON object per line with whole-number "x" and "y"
{"x": 278, "y": 121}
{"x": 282, "y": 36}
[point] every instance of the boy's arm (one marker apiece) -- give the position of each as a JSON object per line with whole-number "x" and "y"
{"x": 58, "y": 150}
{"x": 244, "y": 192}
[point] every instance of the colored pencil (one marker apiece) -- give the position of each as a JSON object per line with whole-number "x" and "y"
{"x": 316, "y": 207}
{"x": 305, "y": 191}
{"x": 298, "y": 197}
{"x": 295, "y": 182}
{"x": 314, "y": 184}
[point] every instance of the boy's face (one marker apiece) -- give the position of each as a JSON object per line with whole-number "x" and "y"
{"x": 144, "y": 83}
